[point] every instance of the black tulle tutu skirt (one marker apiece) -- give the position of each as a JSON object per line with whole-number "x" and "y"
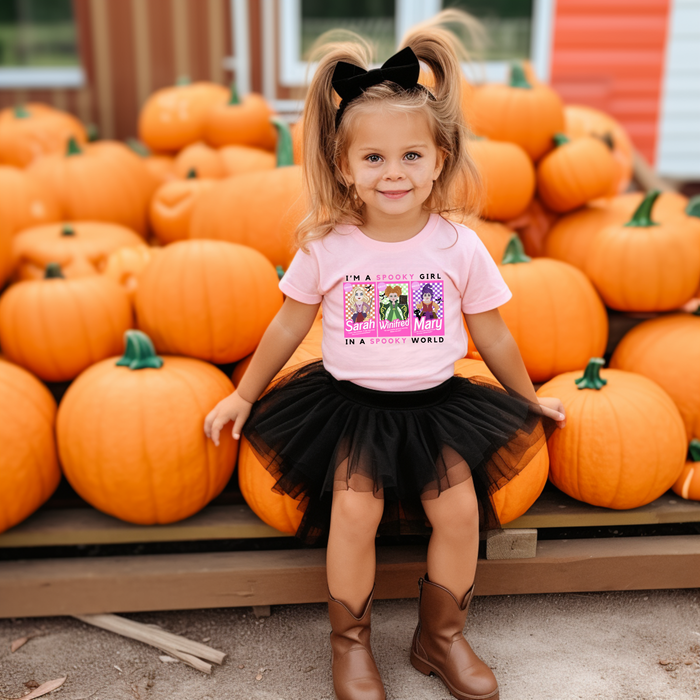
{"x": 316, "y": 434}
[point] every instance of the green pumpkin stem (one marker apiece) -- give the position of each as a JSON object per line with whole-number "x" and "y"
{"x": 93, "y": 132}
{"x": 234, "y": 99}
{"x": 183, "y": 80}
{"x": 560, "y": 139}
{"x": 67, "y": 230}
{"x": 53, "y": 271}
{"x": 642, "y": 216}
{"x": 21, "y": 112}
{"x": 693, "y": 208}
{"x": 514, "y": 252}
{"x": 694, "y": 450}
{"x": 280, "y": 271}
{"x": 285, "y": 147}
{"x": 517, "y": 77}
{"x": 140, "y": 149}
{"x": 591, "y": 376}
{"x": 191, "y": 174}
{"x": 139, "y": 352}
{"x": 73, "y": 148}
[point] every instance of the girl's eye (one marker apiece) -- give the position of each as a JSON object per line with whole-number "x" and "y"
{"x": 371, "y": 158}
{"x": 413, "y": 156}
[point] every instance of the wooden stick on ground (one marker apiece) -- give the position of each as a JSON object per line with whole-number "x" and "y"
{"x": 186, "y": 650}
{"x": 647, "y": 178}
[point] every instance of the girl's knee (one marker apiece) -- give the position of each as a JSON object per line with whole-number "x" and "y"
{"x": 454, "y": 511}
{"x": 359, "y": 511}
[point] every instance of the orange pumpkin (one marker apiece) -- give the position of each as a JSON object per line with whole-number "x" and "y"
{"x": 57, "y": 327}
{"x": 104, "y": 181}
{"x": 81, "y": 248}
{"x": 574, "y": 173}
{"x": 508, "y": 176}
{"x": 624, "y": 444}
{"x": 173, "y": 117}
{"x": 171, "y": 208}
{"x": 245, "y": 123}
{"x": 31, "y": 131}
{"x": 494, "y": 235}
{"x": 207, "y": 299}
{"x": 6, "y": 261}
{"x": 198, "y": 157}
{"x": 259, "y": 209}
{"x": 29, "y": 471}
{"x": 667, "y": 351}
{"x": 533, "y": 226}
{"x": 24, "y": 202}
{"x": 125, "y": 265}
{"x": 238, "y": 160}
{"x": 688, "y": 484}
{"x": 160, "y": 166}
{"x": 555, "y": 315}
{"x": 586, "y": 121}
{"x": 645, "y": 266}
{"x": 144, "y": 457}
{"x": 520, "y": 112}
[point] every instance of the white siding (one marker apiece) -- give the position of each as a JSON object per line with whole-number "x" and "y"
{"x": 678, "y": 151}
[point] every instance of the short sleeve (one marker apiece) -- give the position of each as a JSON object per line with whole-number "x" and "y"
{"x": 301, "y": 280}
{"x": 485, "y": 288}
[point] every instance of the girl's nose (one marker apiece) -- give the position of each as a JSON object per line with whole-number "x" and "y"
{"x": 394, "y": 171}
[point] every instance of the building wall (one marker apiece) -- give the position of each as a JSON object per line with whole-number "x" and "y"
{"x": 610, "y": 54}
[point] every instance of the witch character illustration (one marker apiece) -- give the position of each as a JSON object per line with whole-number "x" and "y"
{"x": 393, "y": 310}
{"x": 361, "y": 303}
{"x": 428, "y": 307}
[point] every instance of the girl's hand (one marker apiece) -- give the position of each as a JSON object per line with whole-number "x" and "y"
{"x": 553, "y": 408}
{"x": 232, "y": 408}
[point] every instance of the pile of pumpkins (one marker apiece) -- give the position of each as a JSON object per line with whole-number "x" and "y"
{"x": 184, "y": 234}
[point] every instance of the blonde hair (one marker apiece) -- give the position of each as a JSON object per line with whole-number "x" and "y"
{"x": 329, "y": 197}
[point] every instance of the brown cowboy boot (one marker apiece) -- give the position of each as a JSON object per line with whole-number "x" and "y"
{"x": 439, "y": 646}
{"x": 355, "y": 674}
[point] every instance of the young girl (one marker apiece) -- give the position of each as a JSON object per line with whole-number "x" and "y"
{"x": 380, "y": 434}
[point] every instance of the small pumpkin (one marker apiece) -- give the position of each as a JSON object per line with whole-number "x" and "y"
{"x": 29, "y": 471}
{"x": 520, "y": 112}
{"x": 144, "y": 457}
{"x": 124, "y": 266}
{"x": 81, "y": 248}
{"x": 643, "y": 265}
{"x": 211, "y": 300}
{"x": 202, "y": 159}
{"x": 624, "y": 444}
{"x": 574, "y": 173}
{"x": 173, "y": 117}
{"x": 161, "y": 166}
{"x": 243, "y": 122}
{"x": 688, "y": 484}
{"x": 58, "y": 327}
{"x": 494, "y": 235}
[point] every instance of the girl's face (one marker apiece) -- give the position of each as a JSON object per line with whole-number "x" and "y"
{"x": 392, "y": 160}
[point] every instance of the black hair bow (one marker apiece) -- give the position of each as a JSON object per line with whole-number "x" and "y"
{"x": 350, "y": 81}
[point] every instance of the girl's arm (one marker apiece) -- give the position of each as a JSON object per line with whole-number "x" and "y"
{"x": 500, "y": 352}
{"x": 282, "y": 337}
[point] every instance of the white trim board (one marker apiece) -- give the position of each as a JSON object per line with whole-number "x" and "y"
{"x": 31, "y": 77}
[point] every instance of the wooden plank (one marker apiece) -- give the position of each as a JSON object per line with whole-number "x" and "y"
{"x": 231, "y": 579}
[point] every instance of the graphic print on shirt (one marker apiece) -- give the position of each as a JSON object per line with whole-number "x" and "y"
{"x": 394, "y": 314}
{"x": 360, "y": 310}
{"x": 427, "y": 309}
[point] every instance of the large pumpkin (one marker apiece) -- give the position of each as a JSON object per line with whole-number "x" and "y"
{"x": 207, "y": 299}
{"x": 643, "y": 265}
{"x": 24, "y": 202}
{"x": 574, "y": 173}
{"x": 81, "y": 248}
{"x": 242, "y": 122}
{"x": 205, "y": 161}
{"x": 105, "y": 181}
{"x": 555, "y": 316}
{"x": 238, "y": 160}
{"x": 31, "y": 131}
{"x": 130, "y": 435}
{"x": 173, "y": 117}
{"x": 586, "y": 121}
{"x": 624, "y": 444}
{"x": 29, "y": 471}
{"x": 667, "y": 351}
{"x": 688, "y": 484}
{"x": 258, "y": 209}
{"x": 57, "y": 327}
{"x": 521, "y": 112}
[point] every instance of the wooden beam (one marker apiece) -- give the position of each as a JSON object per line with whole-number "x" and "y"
{"x": 234, "y": 579}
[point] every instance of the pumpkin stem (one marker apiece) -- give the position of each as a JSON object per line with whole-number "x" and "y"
{"x": 93, "y": 132}
{"x": 191, "y": 174}
{"x": 140, "y": 149}
{"x": 693, "y": 208}
{"x": 183, "y": 80}
{"x": 285, "y": 149}
{"x": 607, "y": 139}
{"x": 67, "y": 230}
{"x": 517, "y": 77}
{"x": 234, "y": 99}
{"x": 139, "y": 352}
{"x": 21, "y": 112}
{"x": 53, "y": 271}
{"x": 642, "y": 217}
{"x": 560, "y": 139}
{"x": 514, "y": 252}
{"x": 694, "y": 450}
{"x": 73, "y": 148}
{"x": 280, "y": 272}
{"x": 591, "y": 376}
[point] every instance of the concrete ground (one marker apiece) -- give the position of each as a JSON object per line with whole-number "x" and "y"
{"x": 640, "y": 645}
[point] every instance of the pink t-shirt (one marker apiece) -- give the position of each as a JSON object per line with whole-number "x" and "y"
{"x": 392, "y": 312}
